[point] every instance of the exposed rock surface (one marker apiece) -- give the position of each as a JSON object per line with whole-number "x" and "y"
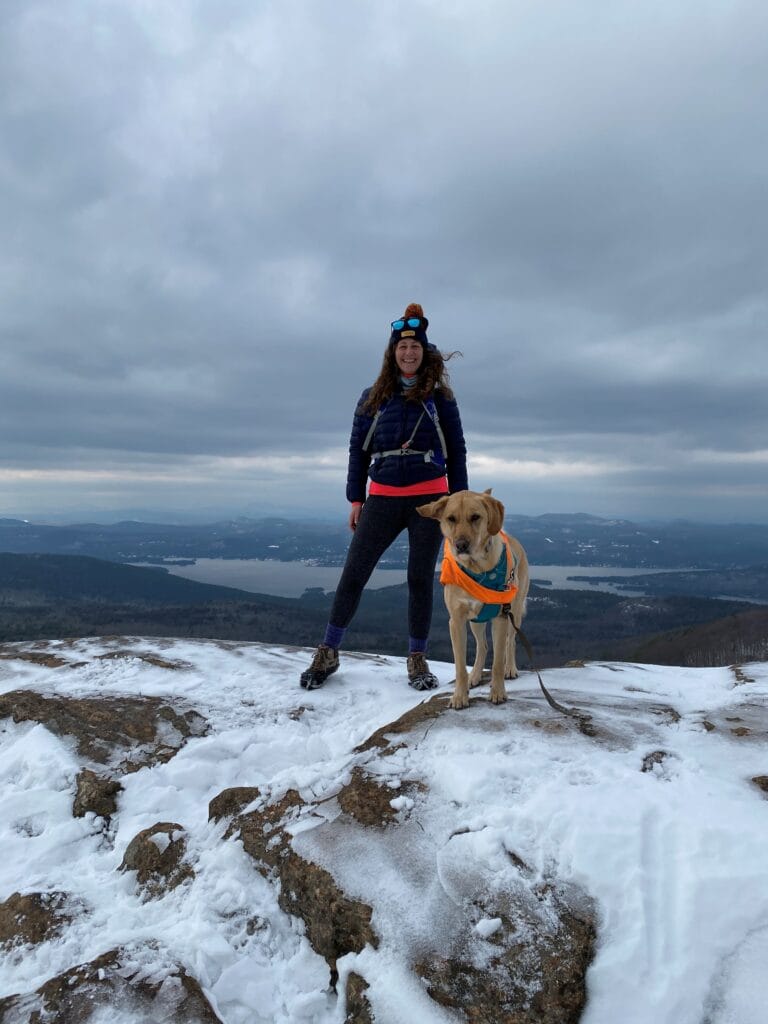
{"x": 157, "y": 855}
{"x": 399, "y": 821}
{"x": 48, "y": 660}
{"x": 748, "y": 720}
{"x": 33, "y": 917}
{"x": 533, "y": 968}
{"x": 741, "y": 675}
{"x": 369, "y": 801}
{"x": 422, "y": 713}
{"x": 231, "y": 801}
{"x": 357, "y": 1006}
{"x": 335, "y": 924}
{"x": 653, "y": 760}
{"x": 149, "y": 659}
{"x": 126, "y": 732}
{"x": 63, "y": 653}
{"x": 95, "y": 794}
{"x": 530, "y": 966}
{"x": 139, "y": 982}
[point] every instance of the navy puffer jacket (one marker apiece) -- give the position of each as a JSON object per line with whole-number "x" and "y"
{"x": 394, "y": 427}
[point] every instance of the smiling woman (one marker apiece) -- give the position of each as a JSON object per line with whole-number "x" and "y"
{"x": 407, "y": 437}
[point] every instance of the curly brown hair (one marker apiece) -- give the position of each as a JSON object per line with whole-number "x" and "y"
{"x": 432, "y": 373}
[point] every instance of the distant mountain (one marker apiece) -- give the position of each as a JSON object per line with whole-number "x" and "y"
{"x": 282, "y": 540}
{"x": 48, "y": 578}
{"x": 589, "y": 540}
{"x": 49, "y": 596}
{"x": 553, "y": 539}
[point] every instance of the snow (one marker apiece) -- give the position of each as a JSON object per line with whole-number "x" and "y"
{"x": 488, "y": 926}
{"x": 401, "y": 803}
{"x": 161, "y": 840}
{"x": 673, "y": 856}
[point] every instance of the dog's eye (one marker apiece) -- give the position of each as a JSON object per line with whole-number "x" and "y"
{"x": 451, "y": 519}
{"x": 474, "y": 517}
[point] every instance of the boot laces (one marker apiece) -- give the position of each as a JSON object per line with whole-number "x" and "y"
{"x": 417, "y": 664}
{"x": 324, "y": 657}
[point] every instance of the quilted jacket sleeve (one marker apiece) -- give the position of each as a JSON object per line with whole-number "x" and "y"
{"x": 359, "y": 461}
{"x": 450, "y": 421}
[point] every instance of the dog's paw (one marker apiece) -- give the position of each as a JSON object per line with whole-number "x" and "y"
{"x": 475, "y": 682}
{"x": 457, "y": 703}
{"x": 498, "y": 697}
{"x": 511, "y": 675}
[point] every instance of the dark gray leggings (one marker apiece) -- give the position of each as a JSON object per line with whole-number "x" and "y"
{"x": 382, "y": 519}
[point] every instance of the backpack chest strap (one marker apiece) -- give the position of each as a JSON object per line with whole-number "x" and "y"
{"x": 405, "y": 447}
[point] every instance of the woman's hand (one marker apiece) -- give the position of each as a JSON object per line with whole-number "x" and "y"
{"x": 354, "y": 515}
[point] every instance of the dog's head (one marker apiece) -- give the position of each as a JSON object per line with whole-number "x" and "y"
{"x": 467, "y": 520}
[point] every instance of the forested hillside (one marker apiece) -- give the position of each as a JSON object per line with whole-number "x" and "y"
{"x": 49, "y": 596}
{"x": 548, "y": 539}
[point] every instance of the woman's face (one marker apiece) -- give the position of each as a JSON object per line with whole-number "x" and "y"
{"x": 409, "y": 355}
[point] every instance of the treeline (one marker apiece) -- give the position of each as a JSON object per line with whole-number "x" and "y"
{"x": 43, "y": 578}
{"x": 548, "y": 539}
{"x": 749, "y": 584}
{"x": 42, "y": 600}
{"x": 734, "y": 639}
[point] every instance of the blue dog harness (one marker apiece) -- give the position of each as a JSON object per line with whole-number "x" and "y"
{"x": 495, "y": 579}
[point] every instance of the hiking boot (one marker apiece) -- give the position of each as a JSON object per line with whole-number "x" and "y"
{"x": 324, "y": 664}
{"x": 419, "y": 676}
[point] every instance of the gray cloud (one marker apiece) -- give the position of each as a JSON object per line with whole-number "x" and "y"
{"x": 211, "y": 213}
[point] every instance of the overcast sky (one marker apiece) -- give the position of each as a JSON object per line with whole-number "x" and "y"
{"x": 210, "y": 212}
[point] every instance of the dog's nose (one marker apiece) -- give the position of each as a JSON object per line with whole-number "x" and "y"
{"x": 462, "y": 545}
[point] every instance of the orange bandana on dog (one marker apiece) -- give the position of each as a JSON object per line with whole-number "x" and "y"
{"x": 452, "y": 572}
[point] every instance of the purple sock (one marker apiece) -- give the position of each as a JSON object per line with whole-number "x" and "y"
{"x": 334, "y": 635}
{"x": 416, "y": 646}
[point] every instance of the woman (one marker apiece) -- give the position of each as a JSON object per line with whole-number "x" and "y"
{"x": 407, "y": 438}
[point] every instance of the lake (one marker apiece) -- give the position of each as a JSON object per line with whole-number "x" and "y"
{"x": 291, "y": 579}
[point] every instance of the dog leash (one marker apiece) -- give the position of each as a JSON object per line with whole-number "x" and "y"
{"x": 584, "y": 720}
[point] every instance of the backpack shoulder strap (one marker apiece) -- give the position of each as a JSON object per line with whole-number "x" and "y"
{"x": 372, "y": 428}
{"x": 431, "y": 409}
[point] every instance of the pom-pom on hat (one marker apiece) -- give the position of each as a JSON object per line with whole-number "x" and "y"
{"x": 412, "y": 324}
{"x": 413, "y": 309}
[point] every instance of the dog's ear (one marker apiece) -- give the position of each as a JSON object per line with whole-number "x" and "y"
{"x": 495, "y": 513}
{"x": 488, "y": 490}
{"x": 434, "y": 510}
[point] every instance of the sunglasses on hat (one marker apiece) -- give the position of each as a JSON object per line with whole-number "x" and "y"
{"x": 411, "y": 321}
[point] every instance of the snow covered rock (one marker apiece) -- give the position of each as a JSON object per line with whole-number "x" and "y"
{"x": 156, "y": 854}
{"x": 335, "y": 924}
{"x": 531, "y": 967}
{"x": 136, "y": 985}
{"x": 654, "y": 761}
{"x": 33, "y": 917}
{"x": 370, "y": 802}
{"x": 534, "y": 966}
{"x": 23, "y": 653}
{"x": 232, "y": 801}
{"x": 125, "y": 732}
{"x": 446, "y": 865}
{"x": 358, "y": 1009}
{"x": 407, "y": 722}
{"x": 95, "y": 794}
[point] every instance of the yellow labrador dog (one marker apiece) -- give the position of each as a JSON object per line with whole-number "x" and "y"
{"x": 474, "y": 541}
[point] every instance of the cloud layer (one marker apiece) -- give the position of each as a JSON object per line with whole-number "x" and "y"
{"x": 211, "y": 213}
